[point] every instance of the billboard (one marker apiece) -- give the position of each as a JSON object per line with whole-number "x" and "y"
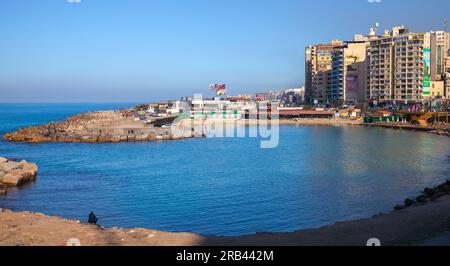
{"x": 351, "y": 79}
{"x": 219, "y": 89}
{"x": 426, "y": 70}
{"x": 351, "y": 84}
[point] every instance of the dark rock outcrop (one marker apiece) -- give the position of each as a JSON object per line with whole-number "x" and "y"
{"x": 428, "y": 195}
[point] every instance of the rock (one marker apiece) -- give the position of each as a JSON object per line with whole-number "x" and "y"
{"x": 89, "y": 139}
{"x": 31, "y": 170}
{"x": 104, "y": 139}
{"x": 76, "y": 139}
{"x": 30, "y": 167}
{"x": 437, "y": 195}
{"x": 16, "y": 174}
{"x": 421, "y": 199}
{"x": 152, "y": 137}
{"x": 141, "y": 138}
{"x": 3, "y": 160}
{"x": 2, "y": 174}
{"x": 116, "y": 138}
{"x": 25, "y": 176}
{"x": 144, "y": 137}
{"x": 3, "y": 190}
{"x": 9, "y": 166}
{"x": 429, "y": 191}
{"x": 409, "y": 202}
{"x": 12, "y": 180}
{"x": 399, "y": 207}
{"x": 443, "y": 188}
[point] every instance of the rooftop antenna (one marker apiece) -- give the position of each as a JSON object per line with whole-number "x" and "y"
{"x": 373, "y": 31}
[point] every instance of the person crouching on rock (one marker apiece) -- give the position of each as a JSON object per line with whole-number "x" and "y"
{"x": 92, "y": 218}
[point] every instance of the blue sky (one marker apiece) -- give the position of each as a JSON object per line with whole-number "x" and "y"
{"x": 148, "y": 50}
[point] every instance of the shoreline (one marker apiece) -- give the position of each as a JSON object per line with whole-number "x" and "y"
{"x": 414, "y": 223}
{"x": 436, "y": 131}
{"x": 114, "y": 127}
{"x": 404, "y": 227}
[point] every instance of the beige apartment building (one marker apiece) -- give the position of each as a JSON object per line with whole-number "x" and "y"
{"x": 437, "y": 90}
{"x": 443, "y": 40}
{"x": 401, "y": 66}
{"x": 443, "y": 47}
{"x": 318, "y": 68}
{"x": 446, "y": 77}
{"x": 349, "y": 73}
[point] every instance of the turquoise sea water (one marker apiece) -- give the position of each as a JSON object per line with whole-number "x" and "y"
{"x": 223, "y": 186}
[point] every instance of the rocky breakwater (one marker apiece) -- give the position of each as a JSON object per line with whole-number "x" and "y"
{"x": 94, "y": 127}
{"x": 70, "y": 130}
{"x": 441, "y": 132}
{"x": 428, "y": 195}
{"x": 15, "y": 174}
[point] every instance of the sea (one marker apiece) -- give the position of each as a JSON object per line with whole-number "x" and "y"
{"x": 317, "y": 175}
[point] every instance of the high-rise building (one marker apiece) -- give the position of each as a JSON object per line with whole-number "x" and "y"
{"x": 401, "y": 66}
{"x": 442, "y": 47}
{"x": 318, "y": 67}
{"x": 396, "y": 67}
{"x": 349, "y": 73}
{"x": 447, "y": 86}
{"x": 443, "y": 60}
{"x": 446, "y": 77}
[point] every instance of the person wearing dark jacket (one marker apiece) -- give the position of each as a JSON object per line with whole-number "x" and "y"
{"x": 92, "y": 218}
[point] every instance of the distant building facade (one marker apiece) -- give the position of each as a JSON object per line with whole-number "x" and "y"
{"x": 318, "y": 71}
{"x": 292, "y": 97}
{"x": 349, "y": 70}
{"x": 401, "y": 66}
{"x": 396, "y": 67}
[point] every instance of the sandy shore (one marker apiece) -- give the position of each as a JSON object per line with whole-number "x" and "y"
{"x": 405, "y": 227}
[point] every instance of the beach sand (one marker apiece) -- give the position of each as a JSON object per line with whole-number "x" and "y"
{"x": 409, "y": 226}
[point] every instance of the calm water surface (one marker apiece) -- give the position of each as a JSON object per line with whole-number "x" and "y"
{"x": 316, "y": 176}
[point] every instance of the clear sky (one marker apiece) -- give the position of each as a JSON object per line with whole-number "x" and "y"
{"x": 148, "y": 50}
